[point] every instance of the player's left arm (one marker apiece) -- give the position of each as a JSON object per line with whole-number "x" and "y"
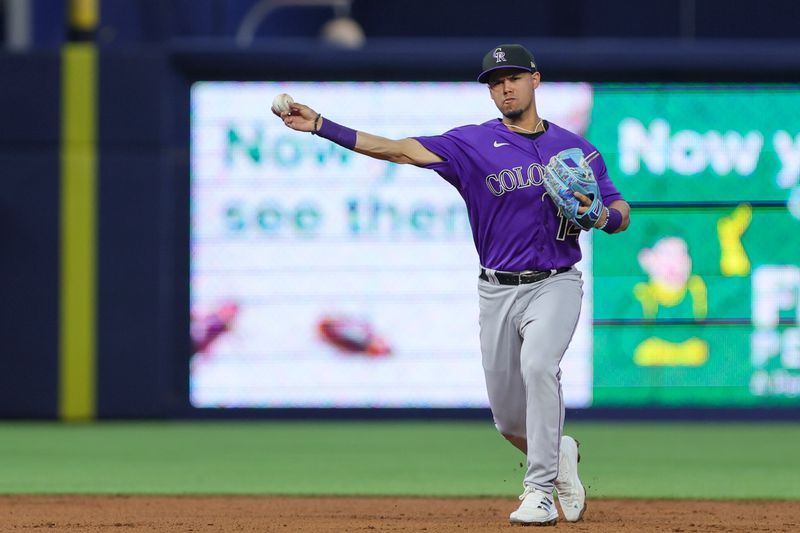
{"x": 618, "y": 209}
{"x": 620, "y": 205}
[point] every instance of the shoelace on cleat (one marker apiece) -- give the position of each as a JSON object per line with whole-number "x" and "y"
{"x": 546, "y": 501}
{"x": 527, "y": 491}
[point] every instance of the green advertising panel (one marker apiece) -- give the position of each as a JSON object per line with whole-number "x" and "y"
{"x": 699, "y": 307}
{"x": 696, "y": 305}
{"x": 700, "y": 143}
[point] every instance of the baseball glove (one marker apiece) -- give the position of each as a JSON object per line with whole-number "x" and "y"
{"x": 568, "y": 172}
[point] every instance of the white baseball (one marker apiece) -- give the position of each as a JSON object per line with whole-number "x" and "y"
{"x": 281, "y": 103}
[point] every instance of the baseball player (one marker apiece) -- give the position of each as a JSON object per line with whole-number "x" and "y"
{"x": 527, "y": 241}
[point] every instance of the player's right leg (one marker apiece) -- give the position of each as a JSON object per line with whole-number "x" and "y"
{"x": 551, "y": 314}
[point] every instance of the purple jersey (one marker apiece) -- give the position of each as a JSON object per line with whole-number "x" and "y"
{"x": 515, "y": 225}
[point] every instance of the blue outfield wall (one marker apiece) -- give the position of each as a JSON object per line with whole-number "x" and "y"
{"x": 143, "y": 344}
{"x": 134, "y": 243}
{"x": 29, "y": 217}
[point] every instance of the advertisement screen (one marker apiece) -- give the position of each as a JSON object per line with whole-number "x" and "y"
{"x": 324, "y": 278}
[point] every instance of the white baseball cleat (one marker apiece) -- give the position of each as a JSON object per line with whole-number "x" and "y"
{"x": 570, "y": 490}
{"x": 537, "y": 509}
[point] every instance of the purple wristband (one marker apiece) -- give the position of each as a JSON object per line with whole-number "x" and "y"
{"x": 337, "y": 133}
{"x": 613, "y": 221}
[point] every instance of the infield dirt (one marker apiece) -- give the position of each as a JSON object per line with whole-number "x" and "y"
{"x": 339, "y": 514}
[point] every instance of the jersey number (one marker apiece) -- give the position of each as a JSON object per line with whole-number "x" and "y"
{"x": 566, "y": 228}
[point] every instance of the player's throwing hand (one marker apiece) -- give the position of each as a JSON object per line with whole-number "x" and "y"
{"x": 297, "y": 116}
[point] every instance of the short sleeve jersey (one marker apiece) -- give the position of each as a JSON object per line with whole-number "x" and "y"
{"x": 515, "y": 225}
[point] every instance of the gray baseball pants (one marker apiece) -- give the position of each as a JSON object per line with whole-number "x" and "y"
{"x": 524, "y": 332}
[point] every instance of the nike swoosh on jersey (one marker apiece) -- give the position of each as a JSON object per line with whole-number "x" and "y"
{"x": 498, "y": 145}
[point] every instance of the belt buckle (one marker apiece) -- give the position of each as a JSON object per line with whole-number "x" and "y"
{"x": 527, "y": 273}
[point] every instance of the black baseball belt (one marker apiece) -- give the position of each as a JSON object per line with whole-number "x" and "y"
{"x": 520, "y": 278}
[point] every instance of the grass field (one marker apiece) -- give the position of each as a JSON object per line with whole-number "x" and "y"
{"x": 631, "y": 460}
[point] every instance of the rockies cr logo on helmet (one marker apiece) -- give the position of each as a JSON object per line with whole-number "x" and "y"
{"x": 499, "y": 55}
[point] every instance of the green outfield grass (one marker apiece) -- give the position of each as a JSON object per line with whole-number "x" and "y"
{"x": 633, "y": 460}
